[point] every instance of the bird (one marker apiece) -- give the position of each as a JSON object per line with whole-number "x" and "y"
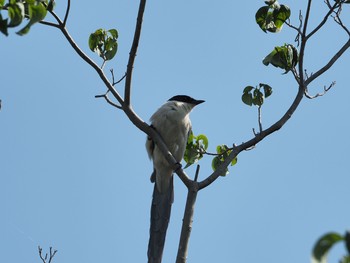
{"x": 173, "y": 124}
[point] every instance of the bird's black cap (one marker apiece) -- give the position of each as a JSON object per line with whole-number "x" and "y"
{"x": 187, "y": 99}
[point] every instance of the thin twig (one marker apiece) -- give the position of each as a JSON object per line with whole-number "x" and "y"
{"x": 44, "y": 258}
{"x": 329, "y": 64}
{"x": 113, "y": 80}
{"x": 105, "y": 96}
{"x": 67, "y": 13}
{"x": 325, "y": 90}
{"x": 259, "y": 119}
{"x": 324, "y": 20}
{"x": 339, "y": 21}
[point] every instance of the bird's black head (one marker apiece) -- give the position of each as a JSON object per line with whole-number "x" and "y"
{"x": 187, "y": 99}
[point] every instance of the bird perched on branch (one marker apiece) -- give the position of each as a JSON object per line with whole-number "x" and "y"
{"x": 173, "y": 124}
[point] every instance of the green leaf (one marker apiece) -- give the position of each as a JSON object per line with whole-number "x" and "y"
{"x": 196, "y": 146}
{"x": 203, "y": 141}
{"x": 104, "y": 43}
{"x": 234, "y": 161}
{"x": 2, "y": 2}
{"x": 267, "y": 89}
{"x": 16, "y": 14}
{"x": 114, "y": 33}
{"x": 270, "y": 2}
{"x": 248, "y": 89}
{"x": 247, "y": 98}
{"x": 261, "y": 16}
{"x": 3, "y": 26}
{"x": 284, "y": 57}
{"x": 280, "y": 16}
{"x": 258, "y": 98}
{"x": 216, "y": 162}
{"x": 36, "y": 13}
{"x": 323, "y": 245}
{"x": 272, "y": 17}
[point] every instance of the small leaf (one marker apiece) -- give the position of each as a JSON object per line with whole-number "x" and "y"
{"x": 280, "y": 16}
{"x": 284, "y": 57}
{"x": 234, "y": 161}
{"x": 114, "y": 33}
{"x": 3, "y": 26}
{"x": 36, "y": 13}
{"x": 16, "y": 14}
{"x": 216, "y": 162}
{"x": 247, "y": 98}
{"x": 272, "y": 17}
{"x": 323, "y": 245}
{"x": 260, "y": 17}
{"x": 270, "y": 2}
{"x": 267, "y": 89}
{"x": 248, "y": 89}
{"x": 258, "y": 98}
{"x": 203, "y": 140}
{"x": 196, "y": 146}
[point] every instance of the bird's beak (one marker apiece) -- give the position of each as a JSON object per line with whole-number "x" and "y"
{"x": 198, "y": 102}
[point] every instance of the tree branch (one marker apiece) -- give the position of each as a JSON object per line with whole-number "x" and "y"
{"x": 67, "y": 13}
{"x": 44, "y": 258}
{"x": 320, "y": 94}
{"x": 331, "y": 9}
{"x": 133, "y": 51}
{"x": 187, "y": 222}
{"x": 329, "y": 64}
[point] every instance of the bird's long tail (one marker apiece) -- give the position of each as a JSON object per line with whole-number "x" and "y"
{"x": 160, "y": 216}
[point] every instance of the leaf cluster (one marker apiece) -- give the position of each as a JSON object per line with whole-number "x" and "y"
{"x": 272, "y": 16}
{"x": 223, "y": 151}
{"x": 104, "y": 43}
{"x": 18, "y": 10}
{"x": 326, "y": 242}
{"x": 254, "y": 96}
{"x": 195, "y": 148}
{"x": 285, "y": 57}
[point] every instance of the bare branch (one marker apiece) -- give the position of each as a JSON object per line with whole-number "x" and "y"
{"x": 105, "y": 96}
{"x": 67, "y": 13}
{"x": 113, "y": 80}
{"x": 44, "y": 258}
{"x": 133, "y": 51}
{"x": 325, "y": 90}
{"x": 339, "y": 21}
{"x": 259, "y": 119}
{"x": 46, "y": 23}
{"x": 187, "y": 223}
{"x": 324, "y": 20}
{"x": 298, "y": 29}
{"x": 329, "y": 64}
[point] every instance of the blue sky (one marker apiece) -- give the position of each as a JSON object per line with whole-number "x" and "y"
{"x": 74, "y": 173}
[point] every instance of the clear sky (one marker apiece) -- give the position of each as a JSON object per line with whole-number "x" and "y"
{"x": 74, "y": 173}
